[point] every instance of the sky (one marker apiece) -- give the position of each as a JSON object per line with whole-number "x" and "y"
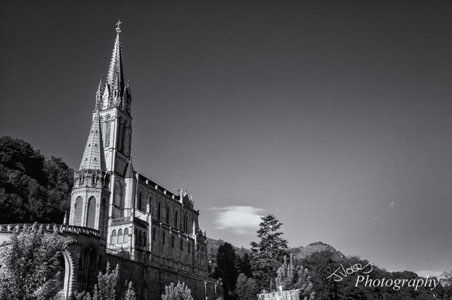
{"x": 335, "y": 116}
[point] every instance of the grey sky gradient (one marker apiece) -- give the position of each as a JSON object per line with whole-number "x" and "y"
{"x": 333, "y": 115}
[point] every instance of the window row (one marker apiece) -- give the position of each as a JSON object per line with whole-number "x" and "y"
{"x": 121, "y": 237}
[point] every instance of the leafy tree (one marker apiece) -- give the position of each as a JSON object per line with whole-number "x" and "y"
{"x": 291, "y": 276}
{"x": 32, "y": 188}
{"x": 106, "y": 287}
{"x": 226, "y": 269}
{"x": 268, "y": 253}
{"x": 130, "y": 293}
{"x": 107, "y": 284}
{"x": 32, "y": 266}
{"x": 244, "y": 265}
{"x": 247, "y": 288}
{"x": 177, "y": 292}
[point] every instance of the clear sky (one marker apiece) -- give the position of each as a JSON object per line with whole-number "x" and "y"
{"x": 335, "y": 116}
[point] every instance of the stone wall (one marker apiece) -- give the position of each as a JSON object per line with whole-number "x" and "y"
{"x": 85, "y": 255}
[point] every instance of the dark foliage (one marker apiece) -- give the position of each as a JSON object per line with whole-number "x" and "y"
{"x": 227, "y": 269}
{"x": 32, "y": 188}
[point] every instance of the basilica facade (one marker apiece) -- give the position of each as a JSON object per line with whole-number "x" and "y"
{"x": 137, "y": 218}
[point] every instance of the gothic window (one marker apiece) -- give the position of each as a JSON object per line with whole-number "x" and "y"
{"x": 176, "y": 220}
{"x": 113, "y": 237}
{"x": 118, "y": 194}
{"x": 163, "y": 238}
{"x": 107, "y": 134}
{"x": 167, "y": 215}
{"x": 172, "y": 241}
{"x": 153, "y": 234}
{"x": 78, "y": 211}
{"x": 181, "y": 245}
{"x": 91, "y": 216}
{"x": 120, "y": 238}
{"x": 126, "y": 235}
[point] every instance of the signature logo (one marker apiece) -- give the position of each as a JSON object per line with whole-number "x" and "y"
{"x": 343, "y": 272}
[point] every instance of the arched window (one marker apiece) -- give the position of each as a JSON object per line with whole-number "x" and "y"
{"x": 126, "y": 235}
{"x": 91, "y": 216}
{"x": 113, "y": 237}
{"x": 176, "y": 220}
{"x": 78, "y": 211}
{"x": 118, "y": 194}
{"x": 120, "y": 238}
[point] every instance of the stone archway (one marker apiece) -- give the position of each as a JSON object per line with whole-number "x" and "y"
{"x": 68, "y": 277}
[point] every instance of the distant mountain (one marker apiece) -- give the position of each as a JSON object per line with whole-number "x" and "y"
{"x": 302, "y": 252}
{"x": 298, "y": 252}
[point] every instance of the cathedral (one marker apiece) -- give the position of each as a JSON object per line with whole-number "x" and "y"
{"x": 137, "y": 218}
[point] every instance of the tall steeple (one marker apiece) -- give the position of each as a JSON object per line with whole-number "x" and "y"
{"x": 115, "y": 78}
{"x": 93, "y": 157}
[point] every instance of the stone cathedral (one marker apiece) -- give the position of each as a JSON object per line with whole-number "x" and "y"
{"x": 137, "y": 217}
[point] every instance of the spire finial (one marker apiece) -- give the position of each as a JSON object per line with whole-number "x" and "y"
{"x": 118, "y": 26}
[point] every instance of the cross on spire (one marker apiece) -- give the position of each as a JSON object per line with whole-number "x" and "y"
{"x": 118, "y": 26}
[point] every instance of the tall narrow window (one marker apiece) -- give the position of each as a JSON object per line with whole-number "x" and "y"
{"x": 163, "y": 238}
{"x": 120, "y": 238}
{"x": 107, "y": 134}
{"x": 91, "y": 216}
{"x": 140, "y": 199}
{"x": 113, "y": 237}
{"x": 126, "y": 235}
{"x": 176, "y": 220}
{"x": 78, "y": 211}
{"x": 153, "y": 233}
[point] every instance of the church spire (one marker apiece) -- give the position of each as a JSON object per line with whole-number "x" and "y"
{"x": 115, "y": 77}
{"x": 93, "y": 157}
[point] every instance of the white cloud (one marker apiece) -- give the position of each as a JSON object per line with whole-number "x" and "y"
{"x": 238, "y": 219}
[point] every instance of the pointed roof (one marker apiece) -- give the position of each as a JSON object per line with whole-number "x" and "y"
{"x": 93, "y": 157}
{"x": 115, "y": 77}
{"x": 129, "y": 170}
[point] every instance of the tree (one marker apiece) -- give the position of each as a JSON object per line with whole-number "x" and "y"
{"x": 244, "y": 265}
{"x": 247, "y": 288}
{"x": 177, "y": 292}
{"x": 32, "y": 266}
{"x": 291, "y": 276}
{"x": 107, "y": 284}
{"x": 32, "y": 188}
{"x": 268, "y": 253}
{"x": 130, "y": 293}
{"x": 226, "y": 269}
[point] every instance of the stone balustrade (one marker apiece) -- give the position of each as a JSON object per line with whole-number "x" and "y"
{"x": 61, "y": 228}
